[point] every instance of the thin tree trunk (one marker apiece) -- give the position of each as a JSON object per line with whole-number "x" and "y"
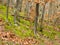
{"x": 16, "y": 9}
{"x": 8, "y": 1}
{"x": 42, "y": 19}
{"x": 36, "y": 18}
{"x": 21, "y": 1}
{"x": 49, "y": 12}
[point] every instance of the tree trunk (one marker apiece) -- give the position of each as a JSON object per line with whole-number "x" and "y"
{"x": 36, "y": 18}
{"x": 15, "y": 11}
{"x": 8, "y": 1}
{"x": 42, "y": 19}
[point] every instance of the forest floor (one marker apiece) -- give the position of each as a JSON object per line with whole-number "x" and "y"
{"x": 22, "y": 35}
{"x": 9, "y": 38}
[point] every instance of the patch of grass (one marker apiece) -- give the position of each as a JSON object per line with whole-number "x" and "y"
{"x": 14, "y": 28}
{"x": 49, "y": 35}
{"x": 25, "y": 22}
{"x": 3, "y": 8}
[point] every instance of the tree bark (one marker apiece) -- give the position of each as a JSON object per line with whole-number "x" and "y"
{"x": 36, "y": 18}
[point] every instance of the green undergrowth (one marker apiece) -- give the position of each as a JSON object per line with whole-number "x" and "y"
{"x": 22, "y": 30}
{"x": 51, "y": 32}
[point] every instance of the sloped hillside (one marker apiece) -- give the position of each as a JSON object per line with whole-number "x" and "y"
{"x": 22, "y": 33}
